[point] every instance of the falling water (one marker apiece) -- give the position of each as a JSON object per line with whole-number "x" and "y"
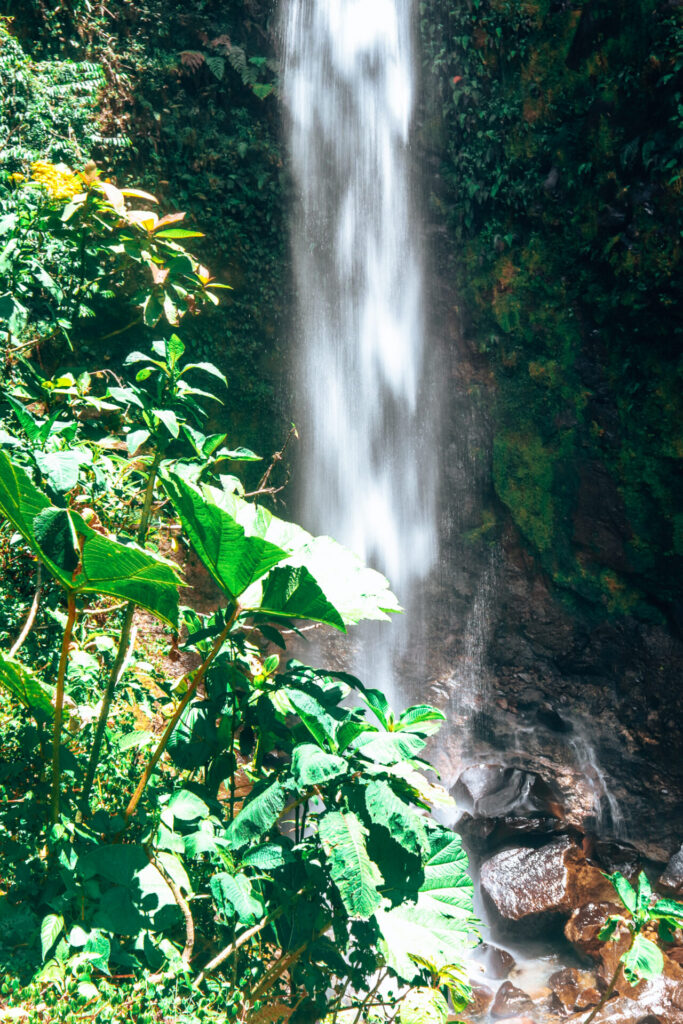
{"x": 368, "y": 475}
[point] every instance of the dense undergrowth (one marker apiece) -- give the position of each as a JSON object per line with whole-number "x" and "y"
{"x": 186, "y": 110}
{"x": 193, "y": 827}
{"x": 558, "y": 128}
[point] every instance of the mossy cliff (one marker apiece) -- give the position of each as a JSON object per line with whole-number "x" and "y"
{"x": 558, "y": 130}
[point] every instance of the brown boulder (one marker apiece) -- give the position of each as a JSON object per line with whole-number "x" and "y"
{"x": 574, "y": 989}
{"x": 537, "y": 885}
{"x": 584, "y": 925}
{"x": 482, "y": 998}
{"x": 657, "y": 1002}
{"x": 497, "y": 963}
{"x": 510, "y": 1001}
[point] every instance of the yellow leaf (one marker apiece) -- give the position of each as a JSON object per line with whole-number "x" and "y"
{"x": 137, "y": 193}
{"x": 144, "y": 218}
{"x": 113, "y": 194}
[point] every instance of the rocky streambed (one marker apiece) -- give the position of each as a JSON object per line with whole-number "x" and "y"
{"x": 545, "y": 898}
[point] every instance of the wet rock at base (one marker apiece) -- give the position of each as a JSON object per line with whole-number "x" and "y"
{"x": 510, "y": 1001}
{"x": 516, "y": 1020}
{"x": 497, "y": 963}
{"x": 536, "y": 887}
{"x": 482, "y": 999}
{"x": 585, "y": 923}
{"x": 672, "y": 879}
{"x": 574, "y": 989}
{"x": 656, "y": 1002}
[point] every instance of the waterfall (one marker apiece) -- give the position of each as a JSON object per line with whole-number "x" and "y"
{"x": 368, "y": 466}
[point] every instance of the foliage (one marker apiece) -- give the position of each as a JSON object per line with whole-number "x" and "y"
{"x": 70, "y": 243}
{"x": 642, "y": 958}
{"x": 558, "y": 129}
{"x": 192, "y": 812}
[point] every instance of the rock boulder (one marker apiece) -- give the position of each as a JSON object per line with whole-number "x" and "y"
{"x": 510, "y": 1001}
{"x": 537, "y": 887}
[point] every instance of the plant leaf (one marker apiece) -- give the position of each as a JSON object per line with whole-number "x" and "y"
{"x": 625, "y": 891}
{"x": 234, "y": 894}
{"x": 23, "y": 685}
{"x": 354, "y": 874}
{"x": 234, "y": 560}
{"x": 290, "y": 592}
{"x": 642, "y": 960}
{"x": 258, "y": 815}
{"x": 312, "y": 766}
{"x": 388, "y": 810}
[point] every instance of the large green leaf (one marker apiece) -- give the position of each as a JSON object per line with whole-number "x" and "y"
{"x": 447, "y": 886}
{"x": 387, "y": 809}
{"x": 234, "y": 894}
{"x": 108, "y": 567}
{"x": 389, "y": 747}
{"x": 232, "y": 558}
{"x": 410, "y": 929}
{"x": 290, "y": 592}
{"x": 21, "y": 682}
{"x": 257, "y": 816}
{"x": 311, "y": 766}
{"x": 354, "y": 874}
{"x": 20, "y": 499}
{"x": 128, "y": 572}
{"x": 356, "y": 592}
{"x": 642, "y": 960}
{"x": 422, "y": 719}
{"x": 313, "y": 715}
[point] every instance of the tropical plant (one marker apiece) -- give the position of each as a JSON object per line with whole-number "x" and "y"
{"x": 642, "y": 959}
{"x": 70, "y": 241}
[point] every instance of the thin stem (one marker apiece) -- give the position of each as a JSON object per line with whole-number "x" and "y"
{"x": 168, "y": 731}
{"x": 608, "y": 991}
{"x": 33, "y": 611}
{"x": 59, "y": 707}
{"x": 122, "y": 652}
{"x": 237, "y": 943}
{"x": 181, "y": 902}
{"x": 370, "y": 996}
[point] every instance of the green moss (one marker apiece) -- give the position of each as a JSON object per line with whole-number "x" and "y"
{"x": 523, "y": 471}
{"x": 561, "y": 192}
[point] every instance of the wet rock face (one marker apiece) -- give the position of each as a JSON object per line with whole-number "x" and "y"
{"x": 503, "y": 803}
{"x": 585, "y": 923}
{"x": 537, "y": 886}
{"x": 510, "y": 1001}
{"x": 497, "y": 963}
{"x": 672, "y": 879}
{"x": 574, "y": 989}
{"x": 482, "y": 999}
{"x": 658, "y": 1002}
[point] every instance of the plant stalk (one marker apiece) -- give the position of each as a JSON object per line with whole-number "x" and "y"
{"x": 168, "y": 731}
{"x": 28, "y": 625}
{"x": 59, "y": 707}
{"x": 607, "y": 994}
{"x": 122, "y": 652}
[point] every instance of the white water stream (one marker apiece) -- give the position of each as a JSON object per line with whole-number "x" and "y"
{"x": 369, "y": 471}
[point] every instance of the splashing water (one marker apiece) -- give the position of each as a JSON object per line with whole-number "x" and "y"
{"x": 369, "y": 474}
